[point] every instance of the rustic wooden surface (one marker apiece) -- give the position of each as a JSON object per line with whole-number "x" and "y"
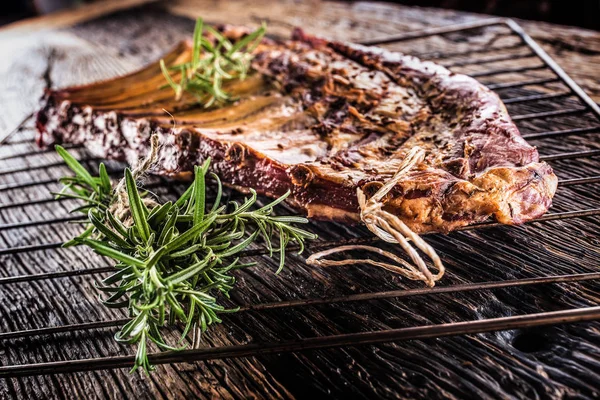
{"x": 555, "y": 362}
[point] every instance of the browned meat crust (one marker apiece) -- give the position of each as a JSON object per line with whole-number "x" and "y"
{"x": 322, "y": 119}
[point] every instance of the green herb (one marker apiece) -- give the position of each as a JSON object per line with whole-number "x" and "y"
{"x": 173, "y": 260}
{"x": 212, "y": 64}
{"x": 95, "y": 192}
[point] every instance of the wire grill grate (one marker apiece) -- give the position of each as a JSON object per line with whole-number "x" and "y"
{"x": 567, "y": 89}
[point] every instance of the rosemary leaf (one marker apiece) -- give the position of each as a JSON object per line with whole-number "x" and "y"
{"x": 213, "y": 64}
{"x": 76, "y": 167}
{"x": 137, "y": 206}
{"x": 106, "y": 250}
{"x": 199, "y": 191}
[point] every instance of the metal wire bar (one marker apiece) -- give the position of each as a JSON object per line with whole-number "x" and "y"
{"x": 530, "y": 82}
{"x": 28, "y": 224}
{"x": 433, "y": 32}
{"x": 18, "y": 142}
{"x": 27, "y": 248}
{"x": 544, "y": 218}
{"x": 437, "y": 55}
{"x": 56, "y": 245}
{"x": 38, "y": 152}
{"x": 546, "y": 114}
{"x": 31, "y": 203}
{"x": 54, "y": 275}
{"x": 506, "y": 57}
{"x": 536, "y": 97}
{"x": 564, "y": 132}
{"x": 62, "y": 329}
{"x": 506, "y": 71}
{"x": 38, "y": 167}
{"x": 23, "y": 185}
{"x": 313, "y": 343}
{"x": 571, "y": 155}
{"x": 151, "y": 185}
{"x": 459, "y": 288}
{"x": 579, "y": 181}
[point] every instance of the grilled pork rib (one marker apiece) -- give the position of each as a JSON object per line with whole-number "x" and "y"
{"x": 322, "y": 119}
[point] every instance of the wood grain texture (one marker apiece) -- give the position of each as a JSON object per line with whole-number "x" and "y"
{"x": 555, "y": 362}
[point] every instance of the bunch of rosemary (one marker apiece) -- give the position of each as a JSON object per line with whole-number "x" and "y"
{"x": 213, "y": 64}
{"x": 173, "y": 260}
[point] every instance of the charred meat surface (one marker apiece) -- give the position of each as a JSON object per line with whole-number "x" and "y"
{"x": 322, "y": 119}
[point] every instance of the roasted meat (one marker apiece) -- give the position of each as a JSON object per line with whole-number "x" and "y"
{"x": 321, "y": 119}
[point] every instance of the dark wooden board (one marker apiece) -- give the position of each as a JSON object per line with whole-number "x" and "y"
{"x": 554, "y": 362}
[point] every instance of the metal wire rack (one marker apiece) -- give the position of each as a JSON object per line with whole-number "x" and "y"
{"x": 557, "y": 87}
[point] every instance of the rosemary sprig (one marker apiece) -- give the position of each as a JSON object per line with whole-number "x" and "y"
{"x": 95, "y": 192}
{"x": 212, "y": 64}
{"x": 173, "y": 260}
